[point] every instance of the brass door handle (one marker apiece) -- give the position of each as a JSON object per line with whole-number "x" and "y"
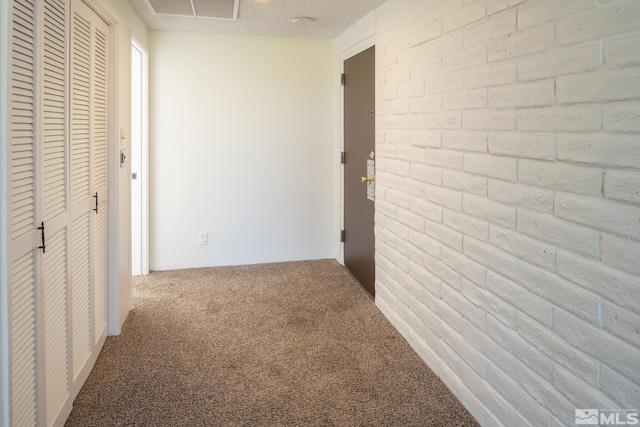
{"x": 368, "y": 179}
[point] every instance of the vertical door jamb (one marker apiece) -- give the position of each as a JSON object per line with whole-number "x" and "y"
{"x": 5, "y": 28}
{"x": 142, "y": 154}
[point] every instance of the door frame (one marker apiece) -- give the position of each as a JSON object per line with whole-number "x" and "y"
{"x": 140, "y": 264}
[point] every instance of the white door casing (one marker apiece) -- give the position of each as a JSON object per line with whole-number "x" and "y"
{"x": 139, "y": 160}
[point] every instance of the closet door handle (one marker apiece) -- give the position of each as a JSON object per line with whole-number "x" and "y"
{"x": 96, "y": 197}
{"x": 41, "y": 228}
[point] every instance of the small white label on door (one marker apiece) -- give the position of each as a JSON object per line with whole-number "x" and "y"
{"x": 371, "y": 185}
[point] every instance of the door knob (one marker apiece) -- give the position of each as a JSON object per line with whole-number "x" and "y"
{"x": 368, "y": 179}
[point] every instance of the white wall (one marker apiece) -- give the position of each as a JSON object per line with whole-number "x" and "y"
{"x": 507, "y": 210}
{"x": 128, "y": 25}
{"x": 240, "y": 147}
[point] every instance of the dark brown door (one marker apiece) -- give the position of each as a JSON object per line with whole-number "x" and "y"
{"x": 359, "y": 146}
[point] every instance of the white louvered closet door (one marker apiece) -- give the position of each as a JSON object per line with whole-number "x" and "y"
{"x": 88, "y": 181}
{"x": 82, "y": 200}
{"x": 58, "y": 163}
{"x": 100, "y": 149}
{"x": 39, "y": 386}
{"x": 54, "y": 203}
{"x": 23, "y": 252}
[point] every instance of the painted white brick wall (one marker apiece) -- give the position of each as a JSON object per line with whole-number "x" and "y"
{"x": 508, "y": 198}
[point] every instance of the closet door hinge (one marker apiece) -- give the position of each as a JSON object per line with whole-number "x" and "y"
{"x": 342, "y": 157}
{"x": 342, "y": 236}
{"x": 343, "y": 79}
{"x": 96, "y": 197}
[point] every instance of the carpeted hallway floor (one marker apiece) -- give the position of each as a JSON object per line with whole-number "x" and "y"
{"x": 286, "y": 344}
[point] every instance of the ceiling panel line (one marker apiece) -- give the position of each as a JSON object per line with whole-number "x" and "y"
{"x": 255, "y": 17}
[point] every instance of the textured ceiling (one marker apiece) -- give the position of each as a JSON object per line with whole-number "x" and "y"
{"x": 268, "y": 17}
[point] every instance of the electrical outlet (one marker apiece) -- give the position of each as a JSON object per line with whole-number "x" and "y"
{"x": 203, "y": 238}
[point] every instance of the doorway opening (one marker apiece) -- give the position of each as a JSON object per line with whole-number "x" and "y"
{"x": 139, "y": 160}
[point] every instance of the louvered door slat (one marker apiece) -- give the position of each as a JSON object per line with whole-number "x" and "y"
{"x": 56, "y": 46}
{"x": 21, "y": 132}
{"x": 22, "y": 100}
{"x": 53, "y": 154}
{"x": 22, "y": 164}
{"x": 23, "y": 7}
{"x": 23, "y": 340}
{"x": 23, "y": 20}
{"x": 55, "y": 322}
{"x": 100, "y": 271}
{"x": 81, "y": 79}
{"x": 23, "y": 383}
{"x": 20, "y": 82}
{"x": 80, "y": 109}
{"x": 22, "y": 151}
{"x": 21, "y": 275}
{"x": 53, "y": 105}
{"x": 55, "y": 35}
{"x": 22, "y": 216}
{"x": 22, "y": 91}
{"x": 23, "y": 416}
{"x": 22, "y": 94}
{"x": 52, "y": 75}
{"x": 23, "y": 182}
{"x": 23, "y": 17}
{"x": 22, "y": 221}
{"x": 22, "y": 208}
{"x": 21, "y": 76}
{"x": 81, "y": 292}
{"x": 21, "y": 52}
{"x": 23, "y": 326}
{"x": 22, "y": 112}
{"x": 54, "y": 124}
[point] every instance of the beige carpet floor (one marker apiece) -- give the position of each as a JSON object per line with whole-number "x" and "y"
{"x": 285, "y": 344}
